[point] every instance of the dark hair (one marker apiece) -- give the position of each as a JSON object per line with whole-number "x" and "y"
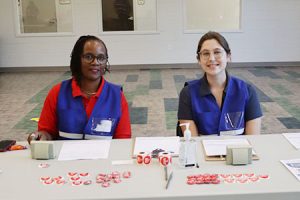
{"x": 75, "y": 63}
{"x": 213, "y": 35}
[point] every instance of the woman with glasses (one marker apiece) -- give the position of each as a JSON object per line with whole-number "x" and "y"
{"x": 218, "y": 103}
{"x": 85, "y": 106}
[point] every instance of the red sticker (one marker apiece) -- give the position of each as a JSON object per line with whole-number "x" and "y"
{"x": 117, "y": 181}
{"x": 127, "y": 174}
{"x": 44, "y": 178}
{"x": 100, "y": 181}
{"x": 44, "y": 165}
{"x": 57, "y": 178}
{"x": 237, "y": 175}
{"x": 72, "y": 173}
{"x": 105, "y": 184}
{"x": 100, "y": 178}
{"x": 75, "y": 178}
{"x": 216, "y": 181}
{"x": 225, "y": 175}
{"x": 229, "y": 180}
{"x": 253, "y": 179}
{"x": 79, "y": 182}
{"x": 242, "y": 180}
{"x": 115, "y": 174}
{"x": 101, "y": 174}
{"x": 48, "y": 182}
{"x": 199, "y": 181}
{"x": 264, "y": 176}
{"x": 249, "y": 175}
{"x": 88, "y": 182}
{"x": 190, "y": 182}
{"x": 84, "y": 174}
{"x": 60, "y": 182}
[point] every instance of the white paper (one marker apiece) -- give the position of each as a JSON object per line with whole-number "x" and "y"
{"x": 218, "y": 147}
{"x": 148, "y": 144}
{"x": 84, "y": 150}
{"x": 293, "y": 138}
{"x": 122, "y": 162}
{"x": 293, "y": 166}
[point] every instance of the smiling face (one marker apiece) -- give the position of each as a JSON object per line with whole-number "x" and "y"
{"x": 92, "y": 70}
{"x": 213, "y": 58}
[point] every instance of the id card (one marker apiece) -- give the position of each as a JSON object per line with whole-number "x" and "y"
{"x": 102, "y": 125}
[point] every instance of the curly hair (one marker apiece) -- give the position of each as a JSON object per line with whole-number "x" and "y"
{"x": 75, "y": 63}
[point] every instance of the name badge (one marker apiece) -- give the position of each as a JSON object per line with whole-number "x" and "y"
{"x": 103, "y": 126}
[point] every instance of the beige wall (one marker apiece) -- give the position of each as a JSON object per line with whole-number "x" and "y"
{"x": 270, "y": 33}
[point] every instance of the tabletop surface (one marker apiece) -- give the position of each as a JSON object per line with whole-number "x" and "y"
{"x": 20, "y": 176}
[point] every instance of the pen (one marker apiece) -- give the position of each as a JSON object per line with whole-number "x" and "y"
{"x": 166, "y": 173}
{"x": 190, "y": 165}
{"x": 169, "y": 180}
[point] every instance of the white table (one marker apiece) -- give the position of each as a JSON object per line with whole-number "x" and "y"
{"x": 20, "y": 177}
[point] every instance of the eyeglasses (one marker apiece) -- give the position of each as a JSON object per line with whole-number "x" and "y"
{"x": 205, "y": 55}
{"x": 89, "y": 58}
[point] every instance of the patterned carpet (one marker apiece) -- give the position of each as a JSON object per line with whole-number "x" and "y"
{"x": 152, "y": 96}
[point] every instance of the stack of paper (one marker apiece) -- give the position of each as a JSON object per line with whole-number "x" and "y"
{"x": 150, "y": 144}
{"x": 84, "y": 149}
{"x": 293, "y": 166}
{"x": 293, "y": 138}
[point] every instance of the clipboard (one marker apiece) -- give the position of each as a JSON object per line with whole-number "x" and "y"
{"x": 225, "y": 142}
{"x": 223, "y": 157}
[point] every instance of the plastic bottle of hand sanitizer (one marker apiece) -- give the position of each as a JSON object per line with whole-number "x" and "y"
{"x": 187, "y": 150}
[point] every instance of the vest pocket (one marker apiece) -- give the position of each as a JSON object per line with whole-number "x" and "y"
{"x": 234, "y": 120}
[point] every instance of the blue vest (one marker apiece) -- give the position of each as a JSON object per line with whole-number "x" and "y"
{"x": 73, "y": 122}
{"x": 210, "y": 119}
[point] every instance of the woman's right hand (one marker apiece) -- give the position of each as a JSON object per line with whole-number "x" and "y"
{"x": 38, "y": 135}
{"x": 33, "y": 137}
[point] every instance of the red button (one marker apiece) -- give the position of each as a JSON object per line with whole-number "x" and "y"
{"x": 88, "y": 182}
{"x": 105, "y": 184}
{"x": 79, "y": 182}
{"x": 72, "y": 173}
{"x": 84, "y": 174}
{"x": 127, "y": 174}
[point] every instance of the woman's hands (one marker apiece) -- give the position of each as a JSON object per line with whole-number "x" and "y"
{"x": 38, "y": 135}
